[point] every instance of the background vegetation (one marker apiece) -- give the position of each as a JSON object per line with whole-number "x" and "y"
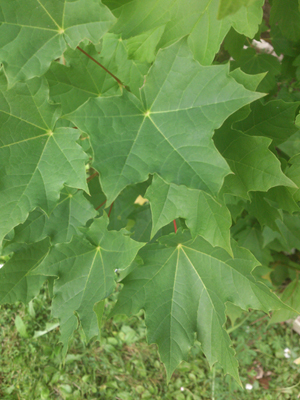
{"x": 124, "y": 367}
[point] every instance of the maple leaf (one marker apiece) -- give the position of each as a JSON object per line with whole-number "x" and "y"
{"x": 183, "y": 287}
{"x": 16, "y": 282}
{"x": 204, "y": 215}
{"x": 72, "y": 212}
{"x": 81, "y": 78}
{"x": 276, "y": 114}
{"x": 170, "y": 132}
{"x": 227, "y": 7}
{"x": 35, "y": 32}
{"x": 200, "y": 23}
{"x": 36, "y": 159}
{"x": 86, "y": 272}
{"x": 255, "y": 167}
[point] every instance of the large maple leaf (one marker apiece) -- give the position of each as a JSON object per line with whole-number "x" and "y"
{"x": 170, "y": 131}
{"x": 183, "y": 286}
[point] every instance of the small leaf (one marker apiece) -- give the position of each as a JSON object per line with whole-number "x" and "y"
{"x": 21, "y": 327}
{"x": 204, "y": 215}
{"x": 16, "y": 283}
{"x": 228, "y": 7}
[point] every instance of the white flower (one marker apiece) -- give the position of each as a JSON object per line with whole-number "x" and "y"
{"x": 287, "y": 353}
{"x": 182, "y": 388}
{"x": 249, "y": 386}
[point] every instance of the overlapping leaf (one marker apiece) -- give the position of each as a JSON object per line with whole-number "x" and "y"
{"x": 204, "y": 216}
{"x": 263, "y": 211}
{"x": 71, "y": 213}
{"x": 171, "y": 131}
{"x": 253, "y": 63}
{"x": 274, "y": 119}
{"x": 86, "y": 274}
{"x": 73, "y": 84}
{"x": 200, "y": 22}
{"x": 227, "y": 7}
{"x": 36, "y": 159}
{"x": 287, "y": 16}
{"x": 16, "y": 282}
{"x": 255, "y": 167}
{"x": 35, "y": 32}
{"x": 183, "y": 287}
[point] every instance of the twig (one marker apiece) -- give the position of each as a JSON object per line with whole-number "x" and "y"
{"x": 102, "y": 66}
{"x": 175, "y": 225}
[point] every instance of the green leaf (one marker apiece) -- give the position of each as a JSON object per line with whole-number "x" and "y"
{"x": 292, "y": 146}
{"x": 233, "y": 312}
{"x": 136, "y": 17}
{"x": 254, "y": 63}
{"x": 143, "y": 47}
{"x": 36, "y": 159}
{"x": 98, "y": 310}
{"x": 255, "y": 168}
{"x": 86, "y": 275}
{"x": 291, "y": 297}
{"x": 21, "y": 327}
{"x": 227, "y": 7}
{"x": 73, "y": 84}
{"x": 171, "y": 132}
{"x": 16, "y": 282}
{"x": 263, "y": 211}
{"x": 124, "y": 205}
{"x": 286, "y": 15}
{"x": 246, "y": 20}
{"x": 274, "y": 119}
{"x": 234, "y": 43}
{"x": 290, "y": 231}
{"x": 205, "y": 32}
{"x": 96, "y": 195}
{"x": 294, "y": 174}
{"x": 251, "y": 238}
{"x": 179, "y": 276}
{"x": 142, "y": 223}
{"x": 35, "y": 32}
{"x": 71, "y": 212}
{"x": 204, "y": 216}
{"x": 282, "y": 198}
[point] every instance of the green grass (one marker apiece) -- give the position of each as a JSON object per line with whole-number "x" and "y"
{"x": 122, "y": 366}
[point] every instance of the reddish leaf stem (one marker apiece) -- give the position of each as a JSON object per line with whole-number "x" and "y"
{"x": 110, "y": 208}
{"x": 92, "y": 176}
{"x": 102, "y": 66}
{"x": 102, "y": 204}
{"x": 175, "y": 225}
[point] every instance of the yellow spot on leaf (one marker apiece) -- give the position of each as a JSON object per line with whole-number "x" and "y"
{"x": 140, "y": 200}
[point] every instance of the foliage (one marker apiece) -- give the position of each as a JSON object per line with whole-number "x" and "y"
{"x": 154, "y": 150}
